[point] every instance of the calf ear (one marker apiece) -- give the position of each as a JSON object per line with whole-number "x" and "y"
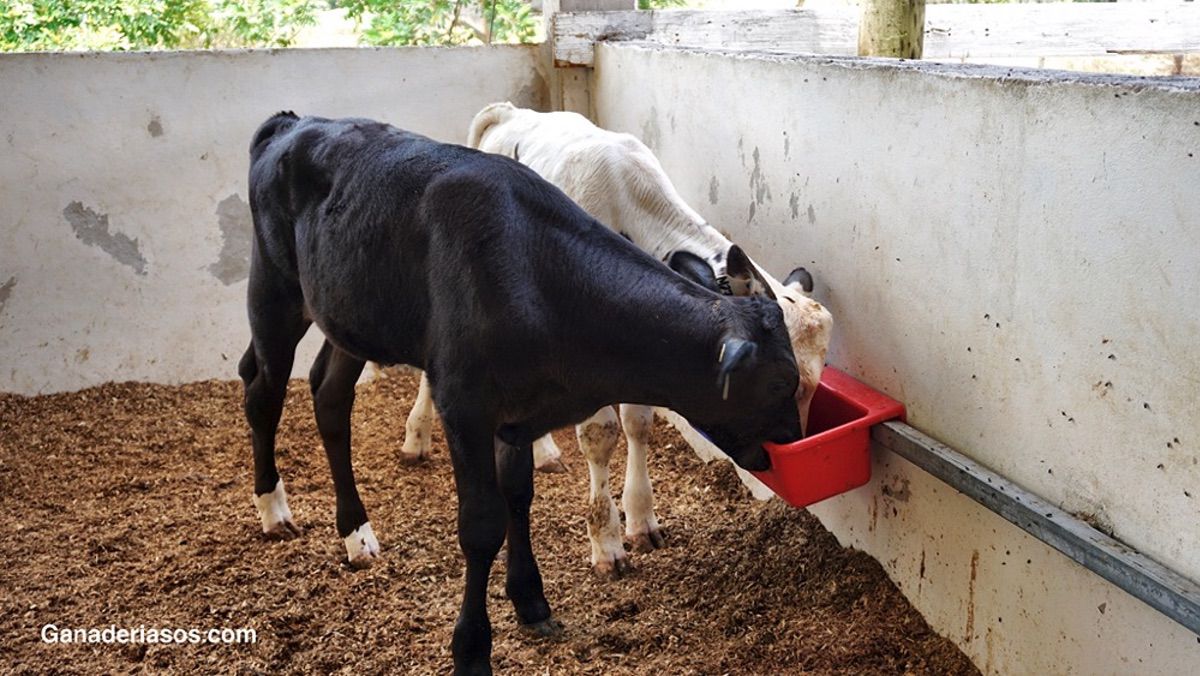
{"x": 694, "y": 268}
{"x": 735, "y": 354}
{"x": 799, "y": 279}
{"x": 739, "y": 266}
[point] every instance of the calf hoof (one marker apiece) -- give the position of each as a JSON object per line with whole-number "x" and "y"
{"x": 276, "y": 517}
{"x": 552, "y": 466}
{"x": 547, "y": 628}
{"x": 416, "y": 447}
{"x": 362, "y": 549}
{"x": 284, "y": 530}
{"x": 614, "y": 569}
{"x": 646, "y": 542}
{"x": 474, "y": 669}
{"x": 410, "y": 459}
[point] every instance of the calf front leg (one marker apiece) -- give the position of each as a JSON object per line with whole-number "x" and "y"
{"x": 514, "y": 468}
{"x": 598, "y": 437}
{"x": 482, "y": 519}
{"x": 332, "y": 379}
{"x": 641, "y": 525}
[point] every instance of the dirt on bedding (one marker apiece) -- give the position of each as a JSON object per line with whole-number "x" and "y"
{"x": 129, "y": 505}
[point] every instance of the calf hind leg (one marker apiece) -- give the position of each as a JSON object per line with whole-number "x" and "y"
{"x": 598, "y": 437}
{"x": 418, "y": 436}
{"x": 547, "y": 456}
{"x": 265, "y": 369}
{"x": 332, "y": 379}
{"x": 641, "y": 525}
{"x": 418, "y": 429}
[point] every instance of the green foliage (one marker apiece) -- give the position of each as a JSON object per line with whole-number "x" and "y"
{"x": 442, "y": 22}
{"x": 58, "y": 25}
{"x": 261, "y": 23}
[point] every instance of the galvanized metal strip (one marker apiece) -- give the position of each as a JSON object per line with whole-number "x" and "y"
{"x": 1163, "y": 589}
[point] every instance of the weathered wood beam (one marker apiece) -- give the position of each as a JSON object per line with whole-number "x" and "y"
{"x": 951, "y": 31}
{"x": 824, "y": 32}
{"x": 1061, "y": 29}
{"x": 892, "y": 28}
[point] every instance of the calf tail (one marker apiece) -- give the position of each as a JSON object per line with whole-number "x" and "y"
{"x": 492, "y": 115}
{"x": 277, "y": 123}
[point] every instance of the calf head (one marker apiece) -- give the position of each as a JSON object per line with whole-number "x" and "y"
{"x": 745, "y": 279}
{"x": 741, "y": 278}
{"x": 809, "y": 326}
{"x": 753, "y": 397}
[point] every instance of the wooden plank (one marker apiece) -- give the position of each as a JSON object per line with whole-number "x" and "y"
{"x": 951, "y": 31}
{"x": 804, "y": 30}
{"x": 1160, "y": 587}
{"x": 1060, "y": 29}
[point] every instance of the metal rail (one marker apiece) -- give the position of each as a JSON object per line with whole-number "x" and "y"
{"x": 1163, "y": 589}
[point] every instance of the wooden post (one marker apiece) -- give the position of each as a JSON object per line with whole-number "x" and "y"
{"x": 894, "y": 28}
{"x": 570, "y": 88}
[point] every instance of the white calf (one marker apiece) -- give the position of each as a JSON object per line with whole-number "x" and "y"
{"x": 620, "y": 182}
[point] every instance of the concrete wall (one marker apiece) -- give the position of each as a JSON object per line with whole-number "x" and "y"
{"x": 1015, "y": 255}
{"x": 124, "y": 229}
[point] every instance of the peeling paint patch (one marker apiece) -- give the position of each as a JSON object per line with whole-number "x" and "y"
{"x": 91, "y": 228}
{"x": 713, "y": 187}
{"x": 6, "y": 291}
{"x": 155, "y": 127}
{"x": 237, "y": 233}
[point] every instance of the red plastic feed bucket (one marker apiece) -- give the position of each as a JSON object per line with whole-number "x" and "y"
{"x": 836, "y": 455}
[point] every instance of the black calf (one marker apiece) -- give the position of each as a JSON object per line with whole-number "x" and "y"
{"x": 526, "y": 314}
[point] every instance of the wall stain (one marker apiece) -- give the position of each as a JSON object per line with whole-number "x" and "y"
{"x": 651, "y": 132}
{"x": 787, "y": 146}
{"x": 713, "y": 186}
{"x": 898, "y": 491}
{"x": 794, "y": 203}
{"x": 812, "y": 215}
{"x": 237, "y": 234}
{"x": 758, "y": 184}
{"x": 6, "y": 291}
{"x": 970, "y": 631}
{"x": 91, "y": 228}
{"x": 155, "y": 127}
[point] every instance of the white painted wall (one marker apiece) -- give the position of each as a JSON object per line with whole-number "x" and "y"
{"x": 1016, "y": 256}
{"x": 124, "y": 230}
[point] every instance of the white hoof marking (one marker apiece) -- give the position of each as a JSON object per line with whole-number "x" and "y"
{"x": 274, "y": 512}
{"x": 361, "y": 546}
